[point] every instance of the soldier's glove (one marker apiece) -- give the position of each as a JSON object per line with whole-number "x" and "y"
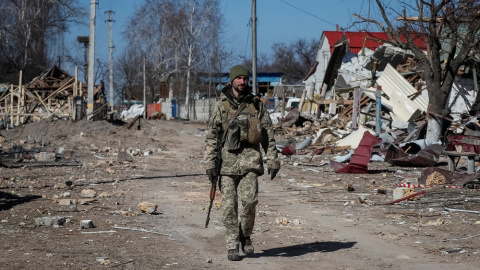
{"x": 211, "y": 175}
{"x": 273, "y": 173}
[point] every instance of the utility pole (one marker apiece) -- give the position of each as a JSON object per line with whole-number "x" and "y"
{"x": 144, "y": 86}
{"x": 254, "y": 46}
{"x": 84, "y": 40}
{"x": 91, "y": 60}
{"x": 110, "y": 58}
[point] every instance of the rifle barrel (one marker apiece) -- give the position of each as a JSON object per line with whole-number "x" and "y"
{"x": 213, "y": 189}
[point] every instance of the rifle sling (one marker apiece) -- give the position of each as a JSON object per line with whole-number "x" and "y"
{"x": 240, "y": 108}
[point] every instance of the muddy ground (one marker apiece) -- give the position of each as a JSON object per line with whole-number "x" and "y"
{"x": 306, "y": 218}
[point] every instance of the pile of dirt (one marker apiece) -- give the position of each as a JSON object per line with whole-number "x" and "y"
{"x": 49, "y": 135}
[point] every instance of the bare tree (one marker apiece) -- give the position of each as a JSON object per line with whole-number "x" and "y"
{"x": 264, "y": 63}
{"x": 450, "y": 29}
{"x": 128, "y": 73}
{"x": 202, "y": 17}
{"x": 294, "y": 60}
{"x": 29, "y": 30}
{"x": 177, "y": 38}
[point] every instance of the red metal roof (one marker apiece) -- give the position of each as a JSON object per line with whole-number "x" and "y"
{"x": 371, "y": 39}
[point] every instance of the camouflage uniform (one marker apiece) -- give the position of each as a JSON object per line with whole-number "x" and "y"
{"x": 241, "y": 166}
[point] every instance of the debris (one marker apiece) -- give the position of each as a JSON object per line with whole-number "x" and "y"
{"x": 281, "y": 220}
{"x": 324, "y": 136}
{"x": 111, "y": 231}
{"x": 435, "y": 222}
{"x": 317, "y": 152}
{"x": 103, "y": 261}
{"x": 157, "y": 116}
{"x": 360, "y": 158}
{"x": 344, "y": 158}
{"x": 88, "y": 193}
{"x": 140, "y": 230}
{"x": 382, "y": 190}
{"x": 461, "y": 238}
{"x": 402, "y": 192}
{"x": 397, "y": 89}
{"x": 50, "y": 221}
{"x": 124, "y": 157}
{"x": 104, "y": 195}
{"x": 406, "y": 198}
{"x": 436, "y": 179}
{"x": 456, "y": 178}
{"x": 304, "y": 144}
{"x": 362, "y": 199}
{"x": 45, "y": 156}
{"x": 124, "y": 213}
{"x": 421, "y": 158}
{"x": 85, "y": 201}
{"x": 135, "y": 111}
{"x": 86, "y": 224}
{"x": 65, "y": 202}
{"x": 354, "y": 139}
{"x": 376, "y": 157}
{"x": 288, "y": 150}
{"x": 349, "y": 187}
{"x": 147, "y": 207}
{"x": 446, "y": 207}
{"x": 291, "y": 118}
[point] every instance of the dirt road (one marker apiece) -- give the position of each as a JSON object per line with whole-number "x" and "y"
{"x": 306, "y": 218}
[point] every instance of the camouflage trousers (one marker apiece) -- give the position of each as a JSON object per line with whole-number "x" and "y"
{"x": 235, "y": 188}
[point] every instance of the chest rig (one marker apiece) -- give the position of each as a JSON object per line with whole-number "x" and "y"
{"x": 245, "y": 129}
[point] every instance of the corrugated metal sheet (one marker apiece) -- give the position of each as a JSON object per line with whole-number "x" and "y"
{"x": 397, "y": 88}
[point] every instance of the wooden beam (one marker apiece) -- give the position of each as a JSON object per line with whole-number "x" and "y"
{"x": 11, "y": 106}
{"x": 43, "y": 103}
{"x": 302, "y": 100}
{"x": 19, "y": 98}
{"x": 336, "y": 101}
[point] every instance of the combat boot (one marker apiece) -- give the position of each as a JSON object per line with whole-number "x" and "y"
{"x": 247, "y": 246}
{"x": 245, "y": 242}
{"x": 233, "y": 255}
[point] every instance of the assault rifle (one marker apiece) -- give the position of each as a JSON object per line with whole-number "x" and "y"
{"x": 216, "y": 178}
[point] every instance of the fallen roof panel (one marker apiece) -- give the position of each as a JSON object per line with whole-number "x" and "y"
{"x": 398, "y": 90}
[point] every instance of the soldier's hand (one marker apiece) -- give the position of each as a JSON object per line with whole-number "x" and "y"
{"x": 273, "y": 173}
{"x": 211, "y": 175}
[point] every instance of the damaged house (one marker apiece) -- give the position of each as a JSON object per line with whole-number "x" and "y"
{"x": 359, "y": 84}
{"x": 52, "y": 94}
{"x": 348, "y": 60}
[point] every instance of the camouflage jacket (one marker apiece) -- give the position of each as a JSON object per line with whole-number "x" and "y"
{"x": 248, "y": 158}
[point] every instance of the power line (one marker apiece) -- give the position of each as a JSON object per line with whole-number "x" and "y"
{"x": 248, "y": 36}
{"x": 304, "y": 11}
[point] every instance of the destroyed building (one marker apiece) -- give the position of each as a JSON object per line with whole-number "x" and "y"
{"x": 348, "y": 60}
{"x": 52, "y": 94}
{"x": 366, "y": 101}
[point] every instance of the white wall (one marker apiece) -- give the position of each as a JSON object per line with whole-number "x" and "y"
{"x": 167, "y": 108}
{"x": 198, "y": 109}
{"x": 323, "y": 56}
{"x": 459, "y": 103}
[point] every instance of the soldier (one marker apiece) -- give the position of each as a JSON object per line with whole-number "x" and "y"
{"x": 241, "y": 122}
